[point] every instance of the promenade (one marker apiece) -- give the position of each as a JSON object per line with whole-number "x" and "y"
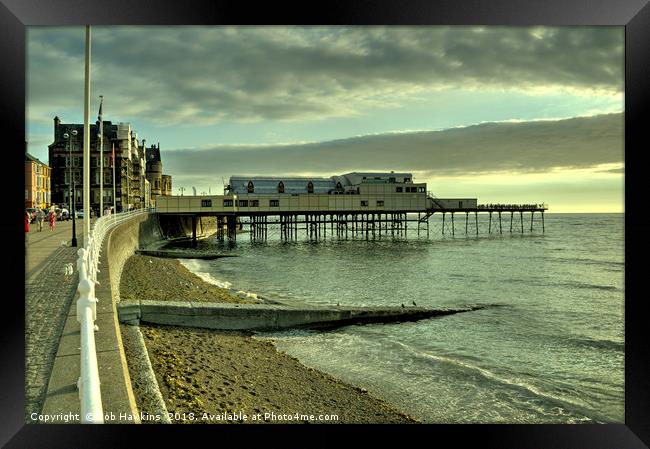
{"x": 48, "y": 295}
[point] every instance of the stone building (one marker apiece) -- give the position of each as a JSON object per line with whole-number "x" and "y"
{"x": 37, "y": 183}
{"x": 128, "y": 166}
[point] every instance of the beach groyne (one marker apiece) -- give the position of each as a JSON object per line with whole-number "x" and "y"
{"x": 224, "y": 316}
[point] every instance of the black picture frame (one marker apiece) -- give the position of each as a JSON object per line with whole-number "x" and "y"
{"x": 15, "y": 15}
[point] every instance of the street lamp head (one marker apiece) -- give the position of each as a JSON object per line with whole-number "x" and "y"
{"x": 74, "y": 132}
{"x": 66, "y": 135}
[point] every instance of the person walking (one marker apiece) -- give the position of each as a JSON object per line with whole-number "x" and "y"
{"x": 26, "y": 221}
{"x": 52, "y": 220}
{"x": 40, "y": 217}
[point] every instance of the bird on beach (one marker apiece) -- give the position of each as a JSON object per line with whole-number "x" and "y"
{"x": 338, "y": 304}
{"x": 402, "y": 305}
{"x": 414, "y": 303}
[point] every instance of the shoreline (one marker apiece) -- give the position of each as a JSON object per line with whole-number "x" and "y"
{"x": 215, "y": 375}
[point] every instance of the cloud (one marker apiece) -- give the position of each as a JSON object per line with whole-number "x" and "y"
{"x": 524, "y": 147}
{"x": 206, "y": 75}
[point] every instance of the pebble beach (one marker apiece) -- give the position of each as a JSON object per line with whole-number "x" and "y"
{"x": 219, "y": 377}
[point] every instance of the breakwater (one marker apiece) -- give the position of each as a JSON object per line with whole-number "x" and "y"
{"x": 270, "y": 316}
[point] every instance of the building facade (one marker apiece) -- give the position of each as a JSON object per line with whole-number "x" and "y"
{"x": 349, "y": 193}
{"x": 37, "y": 183}
{"x": 123, "y": 157}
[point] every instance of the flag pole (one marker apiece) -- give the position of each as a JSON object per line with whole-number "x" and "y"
{"x": 113, "y": 153}
{"x": 101, "y": 158}
{"x": 86, "y": 158}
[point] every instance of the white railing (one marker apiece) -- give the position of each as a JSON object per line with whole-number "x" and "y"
{"x": 88, "y": 383}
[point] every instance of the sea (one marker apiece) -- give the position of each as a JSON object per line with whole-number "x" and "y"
{"x": 548, "y": 348}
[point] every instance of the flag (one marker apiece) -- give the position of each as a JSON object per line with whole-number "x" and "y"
{"x": 113, "y": 156}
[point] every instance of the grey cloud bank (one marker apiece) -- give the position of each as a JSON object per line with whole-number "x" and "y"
{"x": 204, "y": 75}
{"x": 492, "y": 147}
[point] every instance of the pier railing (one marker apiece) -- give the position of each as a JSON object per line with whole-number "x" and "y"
{"x": 87, "y": 264}
{"x": 509, "y": 207}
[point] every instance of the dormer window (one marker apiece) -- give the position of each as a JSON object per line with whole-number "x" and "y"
{"x": 339, "y": 186}
{"x": 310, "y": 187}
{"x": 250, "y": 188}
{"x": 280, "y": 187}
{"x": 407, "y": 179}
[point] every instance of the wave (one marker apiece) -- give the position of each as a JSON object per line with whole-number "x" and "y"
{"x": 586, "y": 261}
{"x": 207, "y": 277}
{"x": 577, "y": 406}
{"x": 598, "y": 343}
{"x": 192, "y": 266}
{"x": 589, "y": 286}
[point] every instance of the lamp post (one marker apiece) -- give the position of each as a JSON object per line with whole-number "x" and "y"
{"x": 181, "y": 189}
{"x": 67, "y": 136}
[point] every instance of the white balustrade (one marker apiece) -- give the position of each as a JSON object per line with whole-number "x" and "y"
{"x": 87, "y": 265}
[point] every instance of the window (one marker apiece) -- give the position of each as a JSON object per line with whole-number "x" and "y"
{"x": 280, "y": 187}
{"x": 407, "y": 179}
{"x": 460, "y": 204}
{"x": 227, "y": 203}
{"x": 398, "y": 189}
{"x": 274, "y": 203}
{"x": 391, "y": 180}
{"x": 206, "y": 203}
{"x": 250, "y": 188}
{"x": 310, "y": 187}
{"x": 255, "y": 203}
{"x": 243, "y": 203}
{"x": 364, "y": 203}
{"x": 380, "y": 203}
{"x": 421, "y": 189}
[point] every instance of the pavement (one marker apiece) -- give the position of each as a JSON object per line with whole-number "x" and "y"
{"x": 48, "y": 294}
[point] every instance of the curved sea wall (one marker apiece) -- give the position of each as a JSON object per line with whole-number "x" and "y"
{"x": 142, "y": 231}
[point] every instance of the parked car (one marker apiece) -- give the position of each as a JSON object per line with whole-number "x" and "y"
{"x": 79, "y": 213}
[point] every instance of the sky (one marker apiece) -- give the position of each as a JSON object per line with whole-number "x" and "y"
{"x": 503, "y": 114}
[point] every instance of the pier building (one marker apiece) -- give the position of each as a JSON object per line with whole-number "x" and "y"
{"x": 354, "y": 204}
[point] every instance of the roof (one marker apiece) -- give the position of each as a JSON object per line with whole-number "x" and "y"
{"x": 29, "y": 157}
{"x": 269, "y": 184}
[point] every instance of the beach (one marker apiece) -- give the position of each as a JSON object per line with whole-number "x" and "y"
{"x": 208, "y": 376}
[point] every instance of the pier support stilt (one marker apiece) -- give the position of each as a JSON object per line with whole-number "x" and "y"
{"x": 531, "y": 220}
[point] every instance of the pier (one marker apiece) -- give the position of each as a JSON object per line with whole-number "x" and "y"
{"x": 320, "y": 225}
{"x": 350, "y": 206}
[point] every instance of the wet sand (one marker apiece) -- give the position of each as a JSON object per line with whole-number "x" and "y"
{"x": 218, "y": 377}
